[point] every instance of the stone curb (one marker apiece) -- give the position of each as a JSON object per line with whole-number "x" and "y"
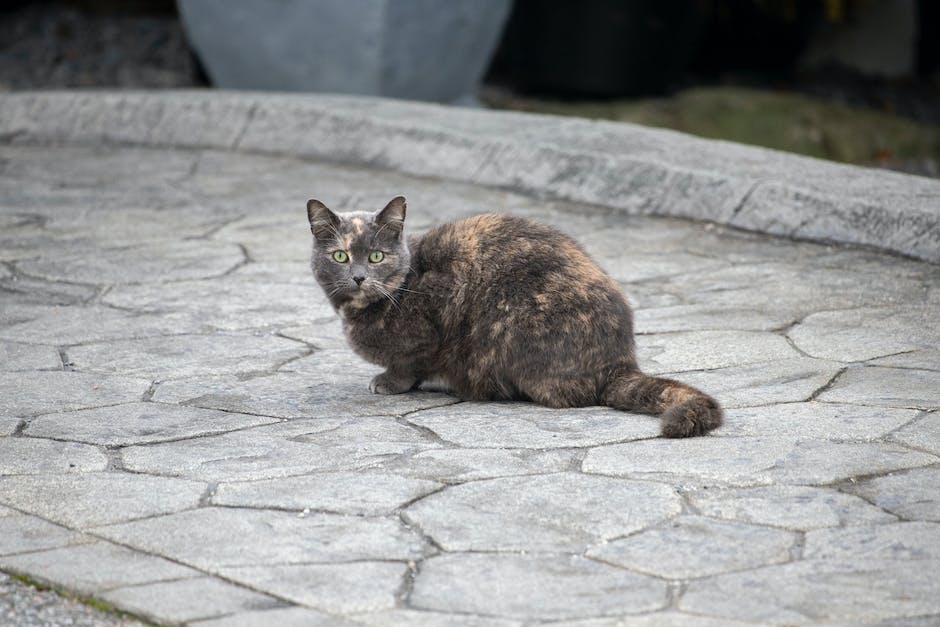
{"x": 629, "y": 168}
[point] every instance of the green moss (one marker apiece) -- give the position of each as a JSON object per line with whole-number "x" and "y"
{"x": 98, "y": 604}
{"x": 780, "y": 120}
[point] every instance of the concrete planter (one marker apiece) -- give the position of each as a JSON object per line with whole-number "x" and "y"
{"x": 415, "y": 49}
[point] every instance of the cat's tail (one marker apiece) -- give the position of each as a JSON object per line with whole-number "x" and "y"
{"x": 684, "y": 410}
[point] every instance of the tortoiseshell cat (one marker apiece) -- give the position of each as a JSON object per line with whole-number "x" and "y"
{"x": 494, "y": 307}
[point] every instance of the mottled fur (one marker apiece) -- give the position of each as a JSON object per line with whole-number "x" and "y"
{"x": 494, "y": 307}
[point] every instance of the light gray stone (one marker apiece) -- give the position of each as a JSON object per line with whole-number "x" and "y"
{"x": 213, "y": 538}
{"x": 94, "y": 567}
{"x": 229, "y": 304}
{"x": 792, "y": 507}
{"x": 524, "y": 425}
{"x": 659, "y": 619}
{"x": 912, "y": 494}
{"x": 897, "y": 541}
{"x": 424, "y": 618}
{"x": 781, "y": 381}
{"x": 90, "y": 499}
{"x": 923, "y": 434}
{"x": 25, "y": 456}
{"x": 14, "y": 356}
{"x": 814, "y": 420}
{"x": 139, "y": 423}
{"x": 143, "y": 263}
{"x": 295, "y": 395}
{"x": 559, "y": 512}
{"x": 94, "y": 323}
{"x": 29, "y": 393}
{"x": 819, "y": 463}
{"x": 705, "y": 350}
{"x": 926, "y": 359}
{"x": 24, "y": 534}
{"x": 526, "y": 587}
{"x": 187, "y": 600}
{"x": 890, "y": 387}
{"x": 282, "y": 617}
{"x": 358, "y": 493}
{"x": 8, "y": 424}
{"x": 294, "y": 448}
{"x": 692, "y": 546}
{"x": 705, "y": 317}
{"x": 180, "y": 356}
{"x": 459, "y": 465}
{"x": 737, "y": 461}
{"x": 862, "y": 334}
{"x": 809, "y": 592}
{"x": 334, "y": 588}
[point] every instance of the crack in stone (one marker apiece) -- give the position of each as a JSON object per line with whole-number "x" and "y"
{"x": 828, "y": 385}
{"x": 249, "y": 118}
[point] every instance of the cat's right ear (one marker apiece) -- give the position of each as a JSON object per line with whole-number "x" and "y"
{"x": 393, "y": 215}
{"x": 323, "y": 222}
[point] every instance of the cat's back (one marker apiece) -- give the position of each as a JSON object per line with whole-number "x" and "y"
{"x": 513, "y": 248}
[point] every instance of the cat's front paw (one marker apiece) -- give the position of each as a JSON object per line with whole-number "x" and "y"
{"x": 385, "y": 384}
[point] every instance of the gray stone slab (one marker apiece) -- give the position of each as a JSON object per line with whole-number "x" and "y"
{"x": 559, "y": 512}
{"x": 94, "y": 323}
{"x": 358, "y": 493}
{"x": 814, "y": 420}
{"x": 295, "y": 395}
{"x": 323, "y": 333}
{"x": 459, "y": 465}
{"x": 25, "y": 534}
{"x": 658, "y": 619}
{"x": 926, "y": 359}
{"x": 139, "y": 423}
{"x": 706, "y": 350}
{"x": 424, "y": 618}
{"x": 90, "y": 499}
{"x": 230, "y": 303}
{"x": 528, "y": 587}
{"x": 30, "y": 393}
{"x": 693, "y": 546}
{"x": 335, "y": 588}
{"x": 25, "y": 456}
{"x": 888, "y": 387}
{"x": 705, "y": 317}
{"x": 781, "y": 381}
{"x": 792, "y": 507}
{"x": 813, "y": 591}
{"x": 819, "y": 463}
{"x": 282, "y": 617}
{"x": 895, "y": 541}
{"x": 94, "y": 567}
{"x": 15, "y": 356}
{"x": 295, "y": 448}
{"x": 181, "y": 356}
{"x": 923, "y": 434}
{"x": 8, "y": 424}
{"x": 736, "y": 461}
{"x": 187, "y": 600}
{"x": 161, "y": 261}
{"x": 863, "y": 334}
{"x": 213, "y": 538}
{"x": 524, "y": 425}
{"x": 912, "y": 494}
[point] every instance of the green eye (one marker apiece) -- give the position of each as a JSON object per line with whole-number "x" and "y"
{"x": 340, "y": 256}
{"x": 376, "y": 256}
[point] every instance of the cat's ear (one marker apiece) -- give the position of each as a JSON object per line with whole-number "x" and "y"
{"x": 323, "y": 222}
{"x": 393, "y": 215}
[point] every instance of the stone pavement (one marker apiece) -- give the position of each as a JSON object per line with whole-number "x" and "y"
{"x": 185, "y": 436}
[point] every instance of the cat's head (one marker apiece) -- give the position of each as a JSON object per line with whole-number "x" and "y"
{"x": 360, "y": 257}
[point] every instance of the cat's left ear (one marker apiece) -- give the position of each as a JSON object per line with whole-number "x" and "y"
{"x": 393, "y": 215}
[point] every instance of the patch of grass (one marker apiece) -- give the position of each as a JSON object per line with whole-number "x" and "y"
{"x": 781, "y": 120}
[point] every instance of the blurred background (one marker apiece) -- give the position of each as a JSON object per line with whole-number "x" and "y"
{"x": 856, "y": 81}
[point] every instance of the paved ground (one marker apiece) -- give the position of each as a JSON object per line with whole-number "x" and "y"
{"x": 184, "y": 435}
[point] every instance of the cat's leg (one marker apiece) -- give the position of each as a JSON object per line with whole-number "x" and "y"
{"x": 390, "y": 382}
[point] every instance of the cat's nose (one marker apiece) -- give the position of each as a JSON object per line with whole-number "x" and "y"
{"x": 359, "y": 279}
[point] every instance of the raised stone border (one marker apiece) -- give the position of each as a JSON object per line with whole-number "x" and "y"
{"x": 628, "y": 168}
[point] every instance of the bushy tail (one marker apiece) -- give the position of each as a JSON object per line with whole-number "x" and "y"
{"x": 685, "y": 411}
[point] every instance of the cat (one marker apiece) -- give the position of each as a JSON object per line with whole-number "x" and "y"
{"x": 495, "y": 307}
